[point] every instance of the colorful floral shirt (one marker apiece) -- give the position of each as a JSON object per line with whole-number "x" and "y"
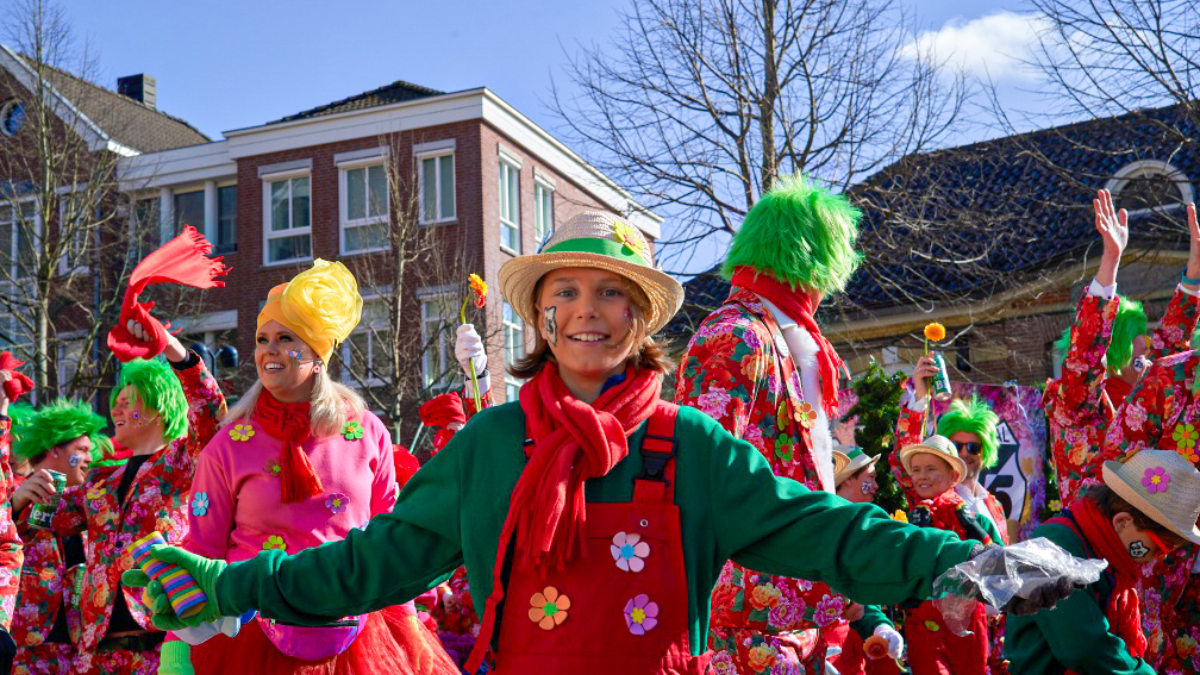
{"x": 157, "y": 500}
{"x": 737, "y": 371}
{"x": 47, "y": 587}
{"x": 1078, "y": 408}
{"x": 11, "y": 553}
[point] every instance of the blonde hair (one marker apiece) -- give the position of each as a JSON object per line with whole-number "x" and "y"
{"x": 332, "y": 405}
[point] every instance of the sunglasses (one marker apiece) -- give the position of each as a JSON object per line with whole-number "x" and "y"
{"x": 973, "y": 447}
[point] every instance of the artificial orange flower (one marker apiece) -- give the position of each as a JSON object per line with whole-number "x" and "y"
{"x": 548, "y": 608}
{"x": 935, "y": 332}
{"x": 479, "y": 288}
{"x": 875, "y": 647}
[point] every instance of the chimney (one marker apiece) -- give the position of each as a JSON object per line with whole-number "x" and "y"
{"x": 138, "y": 87}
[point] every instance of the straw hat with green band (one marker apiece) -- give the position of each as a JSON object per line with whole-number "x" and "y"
{"x": 597, "y": 240}
{"x": 856, "y": 460}
{"x": 1163, "y": 485}
{"x": 940, "y": 447}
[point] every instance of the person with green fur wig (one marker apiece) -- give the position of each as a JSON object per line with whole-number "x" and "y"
{"x": 153, "y": 385}
{"x": 58, "y": 437}
{"x": 1124, "y": 345}
{"x": 795, "y": 246}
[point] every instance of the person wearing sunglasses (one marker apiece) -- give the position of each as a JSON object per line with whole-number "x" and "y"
{"x": 1146, "y": 508}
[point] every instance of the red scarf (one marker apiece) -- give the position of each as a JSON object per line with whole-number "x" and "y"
{"x": 799, "y": 307}
{"x": 1123, "y": 611}
{"x": 943, "y": 512}
{"x": 573, "y": 442}
{"x": 290, "y": 422}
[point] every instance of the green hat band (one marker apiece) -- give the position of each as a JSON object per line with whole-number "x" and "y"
{"x": 606, "y": 247}
{"x": 855, "y": 453}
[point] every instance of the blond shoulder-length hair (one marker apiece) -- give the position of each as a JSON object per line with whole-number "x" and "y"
{"x": 332, "y": 405}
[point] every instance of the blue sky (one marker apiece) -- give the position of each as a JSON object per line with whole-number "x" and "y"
{"x": 224, "y": 65}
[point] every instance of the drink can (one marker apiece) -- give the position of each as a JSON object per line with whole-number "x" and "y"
{"x": 942, "y": 391}
{"x": 40, "y": 515}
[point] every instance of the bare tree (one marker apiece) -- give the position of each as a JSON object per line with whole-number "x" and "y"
{"x": 59, "y": 185}
{"x": 697, "y": 105}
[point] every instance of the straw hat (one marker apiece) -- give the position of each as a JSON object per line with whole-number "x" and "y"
{"x": 598, "y": 240}
{"x": 940, "y": 447}
{"x": 1161, "y": 484}
{"x": 856, "y": 460}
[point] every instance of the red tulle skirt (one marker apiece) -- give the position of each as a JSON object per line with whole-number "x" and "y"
{"x": 392, "y": 641}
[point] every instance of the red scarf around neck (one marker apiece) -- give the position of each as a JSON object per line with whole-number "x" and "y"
{"x": 289, "y": 422}
{"x": 798, "y": 305}
{"x": 573, "y": 442}
{"x": 1123, "y": 611}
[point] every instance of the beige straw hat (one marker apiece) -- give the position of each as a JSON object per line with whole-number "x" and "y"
{"x": 856, "y": 460}
{"x": 938, "y": 446}
{"x": 598, "y": 240}
{"x": 1161, "y": 484}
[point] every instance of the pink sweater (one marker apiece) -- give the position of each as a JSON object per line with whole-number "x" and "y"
{"x": 235, "y": 509}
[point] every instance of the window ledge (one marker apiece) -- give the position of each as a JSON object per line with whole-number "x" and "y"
{"x": 437, "y": 223}
{"x": 285, "y": 263}
{"x": 509, "y": 251}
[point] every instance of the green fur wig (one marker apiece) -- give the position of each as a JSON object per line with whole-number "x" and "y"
{"x": 156, "y": 388}
{"x": 801, "y": 233}
{"x": 53, "y": 425}
{"x": 1128, "y": 326}
{"x": 974, "y": 417}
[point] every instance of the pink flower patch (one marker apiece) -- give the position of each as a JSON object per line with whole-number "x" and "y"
{"x": 828, "y": 610}
{"x": 629, "y": 551}
{"x": 714, "y": 402}
{"x": 641, "y": 614}
{"x": 1155, "y": 479}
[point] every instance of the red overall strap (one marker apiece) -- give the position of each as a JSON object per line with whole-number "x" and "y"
{"x": 657, "y": 481}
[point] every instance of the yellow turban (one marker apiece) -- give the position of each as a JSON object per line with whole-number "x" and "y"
{"x": 321, "y": 305}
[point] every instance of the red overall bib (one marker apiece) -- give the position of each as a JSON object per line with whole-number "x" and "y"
{"x": 599, "y": 615}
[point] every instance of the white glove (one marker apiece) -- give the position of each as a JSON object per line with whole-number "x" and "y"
{"x": 895, "y": 642}
{"x": 468, "y": 349}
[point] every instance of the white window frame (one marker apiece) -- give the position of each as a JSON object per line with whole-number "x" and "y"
{"x": 542, "y": 190}
{"x": 64, "y": 342}
{"x": 445, "y": 354}
{"x": 344, "y": 204}
{"x": 78, "y": 249}
{"x": 347, "y": 352}
{"x": 437, "y": 191}
{"x": 267, "y": 234}
{"x": 38, "y": 232}
{"x": 514, "y": 328}
{"x": 504, "y": 189}
{"x": 216, "y": 216}
{"x": 1152, "y": 167}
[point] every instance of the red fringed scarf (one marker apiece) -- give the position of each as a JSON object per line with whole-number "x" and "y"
{"x": 290, "y": 423}
{"x": 799, "y": 307}
{"x": 573, "y": 442}
{"x": 19, "y": 383}
{"x": 440, "y": 412}
{"x": 1123, "y": 613}
{"x": 183, "y": 260}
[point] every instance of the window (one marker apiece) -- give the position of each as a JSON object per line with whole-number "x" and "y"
{"x": 1147, "y": 185}
{"x": 367, "y": 353}
{"x": 70, "y": 355}
{"x": 364, "y": 206}
{"x": 288, "y": 231}
{"x": 18, "y": 230}
{"x": 543, "y": 212}
{"x": 510, "y": 206}
{"x": 514, "y": 348}
{"x": 189, "y": 210}
{"x": 75, "y": 225}
{"x": 226, "y": 234}
{"x": 437, "y": 188}
{"x": 12, "y": 117}
{"x": 438, "y": 316}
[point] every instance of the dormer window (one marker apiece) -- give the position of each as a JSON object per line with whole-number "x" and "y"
{"x": 12, "y": 117}
{"x": 1150, "y": 184}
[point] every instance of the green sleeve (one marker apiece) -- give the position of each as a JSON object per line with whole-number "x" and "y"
{"x": 398, "y": 556}
{"x": 778, "y": 526}
{"x": 990, "y": 527}
{"x": 873, "y": 617}
{"x": 1075, "y": 633}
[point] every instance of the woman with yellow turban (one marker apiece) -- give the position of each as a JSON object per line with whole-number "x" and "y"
{"x": 299, "y": 461}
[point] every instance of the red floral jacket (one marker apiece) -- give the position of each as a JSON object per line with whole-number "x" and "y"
{"x": 736, "y": 370}
{"x": 47, "y": 586}
{"x": 1078, "y": 407}
{"x": 1163, "y": 412}
{"x": 11, "y": 552}
{"x": 157, "y": 500}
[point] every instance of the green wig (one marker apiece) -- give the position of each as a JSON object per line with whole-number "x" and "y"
{"x": 53, "y": 425}
{"x": 156, "y": 388}
{"x": 801, "y": 233}
{"x": 974, "y": 417}
{"x": 1127, "y": 327}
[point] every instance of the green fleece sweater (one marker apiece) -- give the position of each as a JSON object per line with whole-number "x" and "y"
{"x": 1074, "y": 635}
{"x": 731, "y": 507}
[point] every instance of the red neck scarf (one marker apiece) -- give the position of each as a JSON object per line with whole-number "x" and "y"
{"x": 1123, "y": 612}
{"x": 799, "y": 307}
{"x": 943, "y": 512}
{"x": 573, "y": 442}
{"x": 289, "y": 422}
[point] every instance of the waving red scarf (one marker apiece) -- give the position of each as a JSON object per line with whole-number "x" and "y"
{"x": 1123, "y": 612}
{"x": 290, "y": 423}
{"x": 573, "y": 442}
{"x": 799, "y": 307}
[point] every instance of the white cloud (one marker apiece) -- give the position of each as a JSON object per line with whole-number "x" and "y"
{"x": 996, "y": 46}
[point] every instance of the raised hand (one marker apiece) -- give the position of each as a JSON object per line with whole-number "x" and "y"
{"x": 922, "y": 374}
{"x": 1113, "y": 227}
{"x": 1193, "y": 266}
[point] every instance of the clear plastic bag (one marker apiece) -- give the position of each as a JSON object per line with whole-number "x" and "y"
{"x": 1000, "y": 574}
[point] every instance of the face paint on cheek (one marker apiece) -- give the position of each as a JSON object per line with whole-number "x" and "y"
{"x": 1137, "y": 549}
{"x": 74, "y": 460}
{"x": 866, "y": 488}
{"x": 551, "y": 319}
{"x": 295, "y": 356}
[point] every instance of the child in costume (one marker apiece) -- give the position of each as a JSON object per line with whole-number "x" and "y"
{"x": 760, "y": 367}
{"x": 63, "y": 436}
{"x": 1146, "y": 507}
{"x": 934, "y": 469}
{"x": 854, "y": 477}
{"x": 589, "y": 460}
{"x": 299, "y": 462}
{"x": 1107, "y": 350}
